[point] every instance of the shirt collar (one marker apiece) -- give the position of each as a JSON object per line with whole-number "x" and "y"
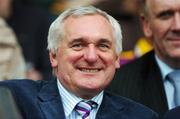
{"x": 69, "y": 100}
{"x": 164, "y": 68}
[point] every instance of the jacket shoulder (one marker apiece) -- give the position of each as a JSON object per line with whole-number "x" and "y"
{"x": 141, "y": 62}
{"x": 23, "y": 86}
{"x": 21, "y": 83}
{"x": 131, "y": 108}
{"x": 130, "y": 78}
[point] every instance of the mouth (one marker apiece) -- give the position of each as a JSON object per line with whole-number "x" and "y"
{"x": 174, "y": 36}
{"x": 90, "y": 70}
{"x": 175, "y": 41}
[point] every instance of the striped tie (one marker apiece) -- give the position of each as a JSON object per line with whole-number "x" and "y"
{"x": 84, "y": 108}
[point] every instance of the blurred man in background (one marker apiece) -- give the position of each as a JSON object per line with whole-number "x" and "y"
{"x": 146, "y": 79}
{"x": 12, "y": 64}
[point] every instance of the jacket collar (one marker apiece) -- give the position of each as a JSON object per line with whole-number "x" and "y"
{"x": 51, "y": 104}
{"x": 50, "y": 101}
{"x": 110, "y": 108}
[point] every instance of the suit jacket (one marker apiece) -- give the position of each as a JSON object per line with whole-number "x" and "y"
{"x": 173, "y": 113}
{"x": 141, "y": 81}
{"x": 41, "y": 100}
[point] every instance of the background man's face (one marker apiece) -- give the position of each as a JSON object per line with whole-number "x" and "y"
{"x": 162, "y": 26}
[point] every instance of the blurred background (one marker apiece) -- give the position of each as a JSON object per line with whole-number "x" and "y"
{"x": 30, "y": 20}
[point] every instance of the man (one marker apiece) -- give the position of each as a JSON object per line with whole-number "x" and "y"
{"x": 10, "y": 53}
{"x": 31, "y": 34}
{"x": 173, "y": 113}
{"x": 84, "y": 44}
{"x": 144, "y": 80}
{"x": 10, "y": 50}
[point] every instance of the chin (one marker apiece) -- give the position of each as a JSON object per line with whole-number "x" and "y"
{"x": 90, "y": 87}
{"x": 175, "y": 54}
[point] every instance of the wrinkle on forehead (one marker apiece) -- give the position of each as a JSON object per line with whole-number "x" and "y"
{"x": 163, "y": 5}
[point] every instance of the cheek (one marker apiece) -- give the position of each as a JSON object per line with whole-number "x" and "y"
{"x": 159, "y": 37}
{"x": 74, "y": 57}
{"x": 158, "y": 32}
{"x": 160, "y": 29}
{"x": 110, "y": 60}
{"x": 68, "y": 61}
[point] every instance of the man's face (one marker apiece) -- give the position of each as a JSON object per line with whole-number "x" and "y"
{"x": 162, "y": 26}
{"x": 86, "y": 59}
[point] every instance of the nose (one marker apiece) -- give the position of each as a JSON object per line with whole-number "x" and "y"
{"x": 176, "y": 22}
{"x": 91, "y": 54}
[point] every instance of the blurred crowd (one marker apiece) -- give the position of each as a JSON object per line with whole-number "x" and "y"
{"x": 26, "y": 23}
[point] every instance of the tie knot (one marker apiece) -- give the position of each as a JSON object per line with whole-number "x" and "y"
{"x": 174, "y": 76}
{"x": 84, "y": 108}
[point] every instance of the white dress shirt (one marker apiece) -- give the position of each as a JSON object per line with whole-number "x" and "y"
{"x": 69, "y": 101}
{"x": 169, "y": 89}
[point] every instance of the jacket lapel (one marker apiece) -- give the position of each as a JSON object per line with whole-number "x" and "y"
{"x": 153, "y": 88}
{"x": 50, "y": 101}
{"x": 110, "y": 109}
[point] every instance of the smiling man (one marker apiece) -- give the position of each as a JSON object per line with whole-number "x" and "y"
{"x": 84, "y": 44}
{"x": 86, "y": 59}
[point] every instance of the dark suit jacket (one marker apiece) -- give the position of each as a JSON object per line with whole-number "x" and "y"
{"x": 41, "y": 100}
{"x": 141, "y": 81}
{"x": 173, "y": 113}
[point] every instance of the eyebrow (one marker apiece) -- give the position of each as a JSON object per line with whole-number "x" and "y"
{"x": 162, "y": 13}
{"x": 76, "y": 40}
{"x": 103, "y": 40}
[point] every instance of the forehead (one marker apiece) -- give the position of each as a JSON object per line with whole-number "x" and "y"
{"x": 88, "y": 26}
{"x": 162, "y": 5}
{"x": 84, "y": 19}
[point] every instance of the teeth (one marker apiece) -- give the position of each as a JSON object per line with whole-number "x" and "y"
{"x": 90, "y": 70}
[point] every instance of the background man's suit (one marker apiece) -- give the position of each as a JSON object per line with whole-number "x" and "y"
{"x": 141, "y": 81}
{"x": 41, "y": 100}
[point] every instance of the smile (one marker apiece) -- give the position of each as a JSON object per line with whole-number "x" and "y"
{"x": 89, "y": 70}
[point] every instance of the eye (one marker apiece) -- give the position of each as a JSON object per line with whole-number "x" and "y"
{"x": 104, "y": 46}
{"x": 77, "y": 46}
{"x": 166, "y": 15}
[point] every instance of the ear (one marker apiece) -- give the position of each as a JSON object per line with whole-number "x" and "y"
{"x": 146, "y": 26}
{"x": 117, "y": 63}
{"x": 53, "y": 59}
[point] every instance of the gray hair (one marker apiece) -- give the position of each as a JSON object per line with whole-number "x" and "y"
{"x": 56, "y": 30}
